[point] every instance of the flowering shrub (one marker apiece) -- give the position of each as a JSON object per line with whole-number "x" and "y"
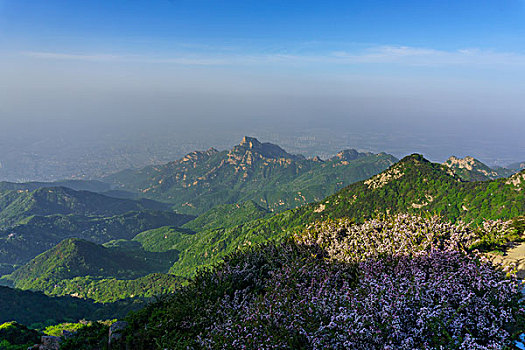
{"x": 346, "y": 241}
{"x": 401, "y": 283}
{"x": 496, "y": 233}
{"x": 431, "y": 300}
{"x": 401, "y": 234}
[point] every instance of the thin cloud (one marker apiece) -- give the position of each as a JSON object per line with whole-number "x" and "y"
{"x": 79, "y": 57}
{"x": 400, "y": 55}
{"x": 430, "y": 57}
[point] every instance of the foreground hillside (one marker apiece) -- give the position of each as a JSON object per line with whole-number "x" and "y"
{"x": 413, "y": 283}
{"x": 261, "y": 172}
{"x": 324, "y": 253}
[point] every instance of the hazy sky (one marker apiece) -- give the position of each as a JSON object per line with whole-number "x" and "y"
{"x": 435, "y": 67}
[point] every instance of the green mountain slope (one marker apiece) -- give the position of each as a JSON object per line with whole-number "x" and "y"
{"x": 16, "y": 205}
{"x": 78, "y": 258}
{"x": 261, "y": 172}
{"x": 36, "y": 234}
{"x": 166, "y": 238}
{"x": 471, "y": 169}
{"x": 108, "y": 290}
{"x": 413, "y": 185}
{"x": 227, "y": 215}
{"x": 77, "y": 185}
{"x": 36, "y": 309}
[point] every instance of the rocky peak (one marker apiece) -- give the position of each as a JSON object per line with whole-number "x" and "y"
{"x": 471, "y": 169}
{"x": 267, "y": 150}
{"x": 197, "y": 155}
{"x": 250, "y": 142}
{"x": 517, "y": 180}
{"x": 347, "y": 154}
{"x": 463, "y": 163}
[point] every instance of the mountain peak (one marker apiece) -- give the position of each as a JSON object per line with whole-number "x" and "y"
{"x": 414, "y": 158}
{"x": 267, "y": 150}
{"x": 468, "y": 162}
{"x": 471, "y": 169}
{"x": 250, "y": 142}
{"x": 348, "y": 154}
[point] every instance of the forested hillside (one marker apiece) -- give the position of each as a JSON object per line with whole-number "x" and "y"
{"x": 261, "y": 172}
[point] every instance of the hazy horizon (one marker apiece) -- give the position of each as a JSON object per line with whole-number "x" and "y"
{"x": 119, "y": 77}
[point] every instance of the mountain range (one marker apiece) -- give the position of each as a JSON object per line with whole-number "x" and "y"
{"x": 413, "y": 185}
{"x": 261, "y": 172}
{"x": 427, "y": 188}
{"x": 93, "y": 245}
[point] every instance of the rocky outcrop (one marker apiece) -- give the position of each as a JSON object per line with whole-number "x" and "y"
{"x": 115, "y": 332}
{"x": 47, "y": 342}
{"x": 266, "y": 150}
{"x": 471, "y": 169}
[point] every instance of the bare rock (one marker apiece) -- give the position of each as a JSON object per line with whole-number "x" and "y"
{"x": 115, "y": 332}
{"x": 49, "y": 342}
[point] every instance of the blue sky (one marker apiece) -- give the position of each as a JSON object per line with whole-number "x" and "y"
{"x": 262, "y": 26}
{"x": 427, "y": 64}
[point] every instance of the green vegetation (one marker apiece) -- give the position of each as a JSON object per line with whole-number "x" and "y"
{"x": 93, "y": 335}
{"x": 108, "y": 290}
{"x": 36, "y": 234}
{"x": 38, "y": 310}
{"x": 57, "y": 330}
{"x": 164, "y": 239}
{"x": 86, "y": 269}
{"x": 426, "y": 188}
{"x": 260, "y": 172}
{"x": 14, "y": 336}
{"x": 20, "y": 204}
{"x": 414, "y": 185}
{"x": 227, "y": 215}
{"x": 471, "y": 169}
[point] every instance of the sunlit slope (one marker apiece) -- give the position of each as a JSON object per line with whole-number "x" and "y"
{"x": 115, "y": 271}
{"x": 413, "y": 185}
{"x": 471, "y": 169}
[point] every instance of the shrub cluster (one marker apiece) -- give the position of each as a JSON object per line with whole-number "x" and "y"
{"x": 401, "y": 283}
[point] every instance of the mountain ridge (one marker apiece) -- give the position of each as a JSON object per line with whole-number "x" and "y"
{"x": 251, "y": 170}
{"x": 16, "y": 205}
{"x": 472, "y": 169}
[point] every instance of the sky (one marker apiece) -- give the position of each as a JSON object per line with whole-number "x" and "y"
{"x": 451, "y": 70}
